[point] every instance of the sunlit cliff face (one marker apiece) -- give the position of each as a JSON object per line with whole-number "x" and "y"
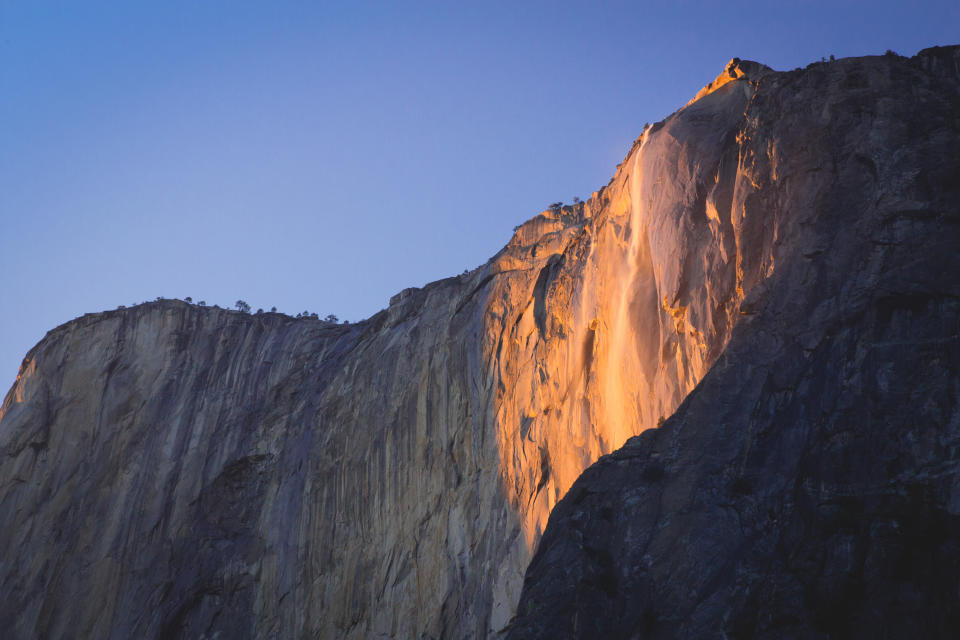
{"x": 16, "y": 394}
{"x": 389, "y": 478}
{"x": 636, "y": 294}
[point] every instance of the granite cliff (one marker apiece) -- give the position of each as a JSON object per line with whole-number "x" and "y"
{"x": 785, "y": 241}
{"x": 809, "y": 487}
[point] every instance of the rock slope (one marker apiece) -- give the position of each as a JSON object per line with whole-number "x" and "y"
{"x": 177, "y": 471}
{"x": 810, "y": 485}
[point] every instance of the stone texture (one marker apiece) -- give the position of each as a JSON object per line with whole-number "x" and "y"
{"x": 177, "y": 471}
{"x": 808, "y": 487}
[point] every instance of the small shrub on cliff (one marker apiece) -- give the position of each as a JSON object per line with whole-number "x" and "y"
{"x": 242, "y": 306}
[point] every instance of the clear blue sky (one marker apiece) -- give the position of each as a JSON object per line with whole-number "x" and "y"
{"x": 322, "y": 156}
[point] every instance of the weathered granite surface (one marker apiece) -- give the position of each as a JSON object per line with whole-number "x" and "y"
{"x": 810, "y": 485}
{"x": 176, "y": 471}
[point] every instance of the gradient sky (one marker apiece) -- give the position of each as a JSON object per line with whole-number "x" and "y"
{"x": 323, "y": 156}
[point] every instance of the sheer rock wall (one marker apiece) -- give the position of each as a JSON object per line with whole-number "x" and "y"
{"x": 176, "y": 471}
{"x": 808, "y": 487}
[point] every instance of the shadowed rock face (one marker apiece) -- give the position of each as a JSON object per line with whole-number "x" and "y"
{"x": 810, "y": 485}
{"x": 177, "y": 471}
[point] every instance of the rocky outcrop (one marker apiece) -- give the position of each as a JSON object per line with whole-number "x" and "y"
{"x": 808, "y": 487}
{"x": 177, "y": 471}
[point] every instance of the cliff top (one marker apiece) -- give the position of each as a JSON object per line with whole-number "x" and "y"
{"x": 734, "y": 70}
